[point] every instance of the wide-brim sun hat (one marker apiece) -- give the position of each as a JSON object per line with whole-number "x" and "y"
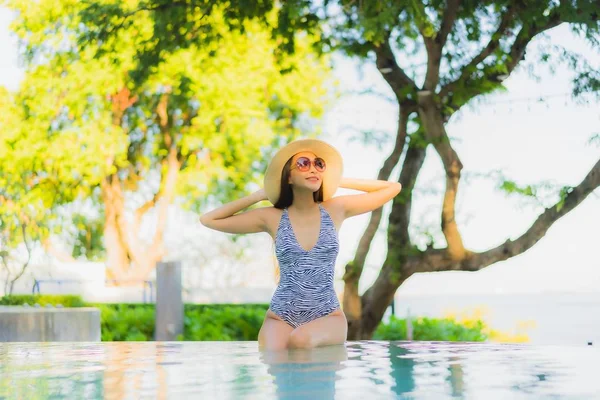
{"x": 330, "y": 177}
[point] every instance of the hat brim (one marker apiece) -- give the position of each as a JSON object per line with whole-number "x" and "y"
{"x": 331, "y": 176}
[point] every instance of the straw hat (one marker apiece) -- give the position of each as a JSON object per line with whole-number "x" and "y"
{"x": 331, "y": 176}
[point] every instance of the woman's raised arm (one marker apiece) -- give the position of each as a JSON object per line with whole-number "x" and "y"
{"x": 378, "y": 193}
{"x": 223, "y": 218}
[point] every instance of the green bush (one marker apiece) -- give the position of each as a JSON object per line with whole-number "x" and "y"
{"x": 135, "y": 322}
{"x": 42, "y": 300}
{"x": 223, "y": 322}
{"x": 126, "y": 322}
{"x": 432, "y": 329}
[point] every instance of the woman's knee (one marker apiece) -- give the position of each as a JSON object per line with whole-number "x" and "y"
{"x": 274, "y": 334}
{"x": 272, "y": 345}
{"x": 301, "y": 339}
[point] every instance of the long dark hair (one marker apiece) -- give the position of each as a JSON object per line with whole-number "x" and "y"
{"x": 286, "y": 195}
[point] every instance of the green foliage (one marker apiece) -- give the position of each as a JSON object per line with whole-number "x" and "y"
{"x": 88, "y": 237}
{"x": 26, "y": 196}
{"x": 432, "y": 329}
{"x": 504, "y": 28}
{"x": 564, "y": 192}
{"x": 538, "y": 192}
{"x": 219, "y": 104}
{"x": 126, "y": 322}
{"x": 198, "y": 128}
{"x": 227, "y": 322}
{"x": 135, "y": 322}
{"x": 42, "y": 300}
{"x": 512, "y": 187}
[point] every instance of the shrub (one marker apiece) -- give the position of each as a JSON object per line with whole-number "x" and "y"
{"x": 223, "y": 322}
{"x": 126, "y": 322}
{"x": 42, "y": 300}
{"x": 432, "y": 329}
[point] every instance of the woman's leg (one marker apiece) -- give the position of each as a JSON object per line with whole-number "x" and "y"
{"x": 325, "y": 331}
{"x": 274, "y": 333}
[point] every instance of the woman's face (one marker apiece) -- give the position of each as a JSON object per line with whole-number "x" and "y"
{"x": 311, "y": 179}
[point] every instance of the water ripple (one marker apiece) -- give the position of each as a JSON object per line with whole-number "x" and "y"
{"x": 234, "y": 370}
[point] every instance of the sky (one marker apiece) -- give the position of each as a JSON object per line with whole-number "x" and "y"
{"x": 527, "y": 140}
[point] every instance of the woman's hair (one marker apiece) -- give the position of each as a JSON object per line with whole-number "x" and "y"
{"x": 286, "y": 195}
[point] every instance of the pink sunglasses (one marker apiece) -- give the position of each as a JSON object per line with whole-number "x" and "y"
{"x": 303, "y": 164}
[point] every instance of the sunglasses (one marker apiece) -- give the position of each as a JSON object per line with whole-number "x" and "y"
{"x": 303, "y": 164}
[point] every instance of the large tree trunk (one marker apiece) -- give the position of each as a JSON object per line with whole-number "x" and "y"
{"x": 129, "y": 260}
{"x": 395, "y": 270}
{"x": 352, "y": 301}
{"x": 118, "y": 260}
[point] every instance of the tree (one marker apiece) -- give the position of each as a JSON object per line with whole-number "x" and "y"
{"x": 36, "y": 176}
{"x": 197, "y": 130}
{"x": 469, "y": 48}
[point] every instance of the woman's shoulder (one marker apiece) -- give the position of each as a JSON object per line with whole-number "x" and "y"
{"x": 272, "y": 216}
{"x": 334, "y": 207}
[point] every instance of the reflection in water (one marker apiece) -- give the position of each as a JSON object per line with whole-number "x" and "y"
{"x": 310, "y": 372}
{"x": 234, "y": 370}
{"x": 401, "y": 371}
{"x": 456, "y": 377}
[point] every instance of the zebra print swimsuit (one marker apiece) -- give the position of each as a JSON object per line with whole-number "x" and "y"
{"x": 305, "y": 291}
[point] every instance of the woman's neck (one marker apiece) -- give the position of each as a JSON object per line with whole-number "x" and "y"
{"x": 304, "y": 201}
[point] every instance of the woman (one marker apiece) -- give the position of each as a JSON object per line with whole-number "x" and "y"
{"x": 304, "y": 223}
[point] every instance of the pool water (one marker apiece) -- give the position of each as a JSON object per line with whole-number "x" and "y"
{"x": 238, "y": 370}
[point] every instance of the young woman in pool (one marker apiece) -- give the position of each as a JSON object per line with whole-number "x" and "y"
{"x": 304, "y": 222}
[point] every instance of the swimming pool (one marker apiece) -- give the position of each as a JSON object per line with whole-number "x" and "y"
{"x": 237, "y": 370}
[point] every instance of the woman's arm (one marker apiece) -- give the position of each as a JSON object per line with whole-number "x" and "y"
{"x": 378, "y": 193}
{"x": 366, "y": 185}
{"x": 223, "y": 218}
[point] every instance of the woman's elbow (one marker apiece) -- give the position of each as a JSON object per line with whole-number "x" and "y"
{"x": 204, "y": 220}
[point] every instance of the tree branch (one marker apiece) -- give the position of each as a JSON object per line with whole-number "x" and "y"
{"x": 435, "y": 260}
{"x": 394, "y": 75}
{"x": 436, "y": 134}
{"x": 399, "y": 265}
{"x": 112, "y": 196}
{"x": 435, "y": 47}
{"x": 452, "y": 167}
{"x": 26, "y": 263}
{"x": 525, "y": 35}
{"x": 147, "y": 206}
{"x": 512, "y": 59}
{"x": 167, "y": 194}
{"x": 400, "y": 216}
{"x": 492, "y": 46}
{"x": 60, "y": 255}
{"x": 447, "y": 22}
